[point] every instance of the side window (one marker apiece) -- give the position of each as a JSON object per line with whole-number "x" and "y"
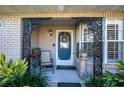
{"x": 115, "y": 42}
{"x": 87, "y": 42}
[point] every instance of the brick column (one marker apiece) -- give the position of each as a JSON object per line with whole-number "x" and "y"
{"x": 82, "y": 66}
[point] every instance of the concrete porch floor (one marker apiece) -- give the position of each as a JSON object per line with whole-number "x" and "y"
{"x": 65, "y": 76}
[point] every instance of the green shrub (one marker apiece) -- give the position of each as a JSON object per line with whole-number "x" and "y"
{"x": 115, "y": 79}
{"x": 120, "y": 74}
{"x": 14, "y": 74}
{"x": 94, "y": 82}
{"x": 36, "y": 80}
{"x": 10, "y": 71}
{"x": 31, "y": 80}
{"x": 109, "y": 79}
{"x": 121, "y": 67}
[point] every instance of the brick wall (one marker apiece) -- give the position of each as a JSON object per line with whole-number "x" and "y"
{"x": 106, "y": 67}
{"x": 88, "y": 68}
{"x": 10, "y": 37}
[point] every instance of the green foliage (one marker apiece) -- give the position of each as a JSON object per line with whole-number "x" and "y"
{"x": 94, "y": 82}
{"x": 115, "y": 79}
{"x": 31, "y": 80}
{"x": 109, "y": 79}
{"x": 36, "y": 52}
{"x": 14, "y": 74}
{"x": 121, "y": 67}
{"x": 10, "y": 71}
{"x": 36, "y": 80}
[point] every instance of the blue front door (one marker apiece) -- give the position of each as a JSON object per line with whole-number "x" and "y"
{"x": 64, "y": 45}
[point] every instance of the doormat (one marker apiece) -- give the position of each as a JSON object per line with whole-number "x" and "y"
{"x": 66, "y": 68}
{"x": 61, "y": 84}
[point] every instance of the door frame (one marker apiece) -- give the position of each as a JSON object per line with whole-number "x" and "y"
{"x": 71, "y": 33}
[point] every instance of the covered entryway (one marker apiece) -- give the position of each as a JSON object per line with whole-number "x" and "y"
{"x": 62, "y": 41}
{"x": 58, "y": 36}
{"x": 30, "y": 19}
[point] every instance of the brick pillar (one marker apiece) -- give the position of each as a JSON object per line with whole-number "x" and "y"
{"x": 82, "y": 67}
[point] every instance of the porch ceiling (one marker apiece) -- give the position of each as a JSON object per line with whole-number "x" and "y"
{"x": 58, "y": 8}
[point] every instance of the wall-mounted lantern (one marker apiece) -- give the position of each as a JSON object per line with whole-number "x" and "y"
{"x": 50, "y": 32}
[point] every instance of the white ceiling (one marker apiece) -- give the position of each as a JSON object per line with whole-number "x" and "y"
{"x": 58, "y": 8}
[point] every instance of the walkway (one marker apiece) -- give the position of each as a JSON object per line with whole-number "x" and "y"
{"x": 63, "y": 76}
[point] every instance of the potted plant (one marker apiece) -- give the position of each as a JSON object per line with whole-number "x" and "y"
{"x": 83, "y": 54}
{"x": 36, "y": 52}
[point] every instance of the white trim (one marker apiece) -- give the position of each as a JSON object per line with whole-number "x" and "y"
{"x": 115, "y": 40}
{"x": 120, "y": 38}
{"x": 58, "y": 62}
{"x": 110, "y": 63}
{"x": 105, "y": 44}
{"x": 83, "y": 26}
{"x": 80, "y": 39}
{"x": 87, "y": 41}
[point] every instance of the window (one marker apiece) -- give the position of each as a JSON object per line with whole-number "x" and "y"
{"x": 64, "y": 41}
{"x": 87, "y": 42}
{"x": 114, "y": 41}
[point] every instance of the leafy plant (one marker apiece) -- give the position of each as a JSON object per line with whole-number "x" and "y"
{"x": 10, "y": 71}
{"x": 109, "y": 79}
{"x": 115, "y": 79}
{"x": 36, "y": 52}
{"x": 120, "y": 74}
{"x": 121, "y": 66}
{"x": 94, "y": 82}
{"x": 14, "y": 74}
{"x": 32, "y": 80}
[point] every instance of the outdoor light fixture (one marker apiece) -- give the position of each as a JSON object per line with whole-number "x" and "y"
{"x": 50, "y": 32}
